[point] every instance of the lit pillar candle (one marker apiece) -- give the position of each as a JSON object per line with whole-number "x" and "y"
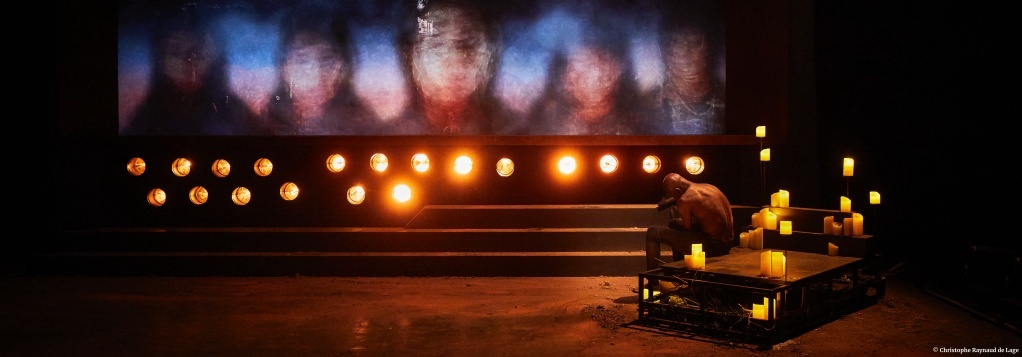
{"x": 759, "y": 237}
{"x": 778, "y": 264}
{"x": 849, "y": 167}
{"x": 785, "y": 227}
{"x": 760, "y": 131}
{"x": 782, "y": 198}
{"x": 856, "y": 224}
{"x": 764, "y": 155}
{"x": 758, "y": 312}
{"x": 771, "y": 221}
{"x": 690, "y": 261}
{"x": 828, "y": 224}
{"x": 874, "y": 197}
{"x": 743, "y": 239}
{"x": 832, "y": 250}
{"x": 764, "y": 263}
{"x": 836, "y": 229}
{"x": 697, "y": 248}
{"x": 846, "y": 226}
{"x": 775, "y": 199}
{"x": 700, "y": 260}
{"x": 756, "y": 220}
{"x": 846, "y": 204}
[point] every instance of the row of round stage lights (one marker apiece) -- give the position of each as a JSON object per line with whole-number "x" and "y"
{"x": 356, "y": 194}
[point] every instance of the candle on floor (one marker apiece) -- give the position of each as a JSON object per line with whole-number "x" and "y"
{"x": 786, "y": 227}
{"x": 828, "y": 224}
{"x": 832, "y": 250}
{"x": 846, "y": 204}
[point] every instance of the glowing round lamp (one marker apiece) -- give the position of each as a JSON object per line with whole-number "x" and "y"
{"x": 241, "y": 196}
{"x": 505, "y": 167}
{"x": 356, "y": 195}
{"x": 462, "y": 165}
{"x": 181, "y": 167}
{"x": 198, "y": 195}
{"x": 420, "y": 162}
{"x": 289, "y": 191}
{"x": 156, "y": 197}
{"x": 136, "y": 166}
{"x": 651, "y": 164}
{"x": 402, "y": 193}
{"x": 263, "y": 167}
{"x": 379, "y": 162}
{"x": 221, "y": 168}
{"x": 608, "y": 163}
{"x": 335, "y": 163}
{"x": 566, "y": 165}
{"x": 694, "y": 165}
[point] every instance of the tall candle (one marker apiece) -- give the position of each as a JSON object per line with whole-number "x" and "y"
{"x": 764, "y": 263}
{"x": 856, "y": 224}
{"x": 700, "y": 260}
{"x": 690, "y": 261}
{"x": 775, "y": 199}
{"x": 846, "y": 204}
{"x": 760, "y": 131}
{"x": 828, "y": 224}
{"x": 743, "y": 239}
{"x": 846, "y": 226}
{"x": 785, "y": 227}
{"x": 832, "y": 249}
{"x": 759, "y": 237}
{"x": 697, "y": 248}
{"x": 756, "y": 220}
{"x": 836, "y": 229}
{"x": 778, "y": 264}
{"x": 771, "y": 221}
{"x": 874, "y": 197}
{"x": 849, "y": 167}
{"x": 782, "y": 198}
{"x": 764, "y": 155}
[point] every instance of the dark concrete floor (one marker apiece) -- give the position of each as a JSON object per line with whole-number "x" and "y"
{"x": 438, "y": 316}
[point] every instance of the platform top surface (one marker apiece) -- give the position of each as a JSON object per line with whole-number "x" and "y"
{"x": 744, "y": 262}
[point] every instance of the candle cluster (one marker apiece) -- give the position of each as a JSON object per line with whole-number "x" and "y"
{"x": 849, "y": 226}
{"x": 752, "y": 239}
{"x": 779, "y": 198}
{"x": 696, "y": 260}
{"x": 773, "y": 264}
{"x": 759, "y": 311}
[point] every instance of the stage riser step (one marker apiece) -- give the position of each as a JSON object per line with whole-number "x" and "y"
{"x": 535, "y": 216}
{"x": 348, "y": 240}
{"x": 625, "y": 264}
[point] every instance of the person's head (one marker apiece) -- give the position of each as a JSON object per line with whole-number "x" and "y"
{"x": 452, "y": 53}
{"x": 675, "y": 185}
{"x": 315, "y": 59}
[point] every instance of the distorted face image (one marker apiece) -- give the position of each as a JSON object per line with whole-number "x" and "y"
{"x": 452, "y": 61}
{"x": 185, "y": 60}
{"x": 687, "y": 64}
{"x": 313, "y": 70}
{"x": 590, "y": 78}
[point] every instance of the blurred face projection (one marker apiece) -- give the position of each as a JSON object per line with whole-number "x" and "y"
{"x": 590, "y": 79}
{"x": 186, "y": 60}
{"x": 312, "y": 69}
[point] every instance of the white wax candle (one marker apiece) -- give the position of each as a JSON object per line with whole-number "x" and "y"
{"x": 849, "y": 167}
{"x": 846, "y": 226}
{"x": 857, "y": 224}
{"x": 874, "y": 197}
{"x": 760, "y": 131}
{"x": 782, "y": 198}
{"x": 786, "y": 227}
{"x": 832, "y": 250}
{"x": 846, "y": 204}
{"x": 743, "y": 239}
{"x": 764, "y": 155}
{"x": 828, "y": 224}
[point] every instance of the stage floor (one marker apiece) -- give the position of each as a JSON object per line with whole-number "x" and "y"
{"x": 435, "y": 316}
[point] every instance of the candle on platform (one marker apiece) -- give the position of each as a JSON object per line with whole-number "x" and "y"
{"x": 756, "y": 220}
{"x": 846, "y": 204}
{"x": 760, "y": 131}
{"x": 690, "y": 261}
{"x": 764, "y": 263}
{"x": 874, "y": 197}
{"x": 775, "y": 199}
{"x": 849, "y": 167}
{"x": 828, "y": 224}
{"x": 778, "y": 265}
{"x": 758, "y": 312}
{"x": 699, "y": 261}
{"x": 786, "y": 227}
{"x": 832, "y": 250}
{"x": 759, "y": 237}
{"x": 697, "y": 248}
{"x": 836, "y": 229}
{"x": 771, "y": 221}
{"x": 764, "y": 155}
{"x": 857, "y": 224}
{"x": 767, "y": 307}
{"x": 846, "y": 226}
{"x": 782, "y": 198}
{"x": 743, "y": 239}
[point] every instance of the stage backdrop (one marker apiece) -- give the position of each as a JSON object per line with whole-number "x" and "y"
{"x": 425, "y": 67}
